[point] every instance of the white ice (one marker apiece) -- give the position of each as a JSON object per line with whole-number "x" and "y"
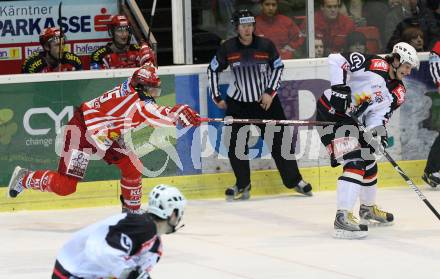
{"x": 263, "y": 238}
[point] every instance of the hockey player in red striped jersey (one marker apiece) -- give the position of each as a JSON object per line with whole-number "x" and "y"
{"x": 97, "y": 128}
{"x": 371, "y": 87}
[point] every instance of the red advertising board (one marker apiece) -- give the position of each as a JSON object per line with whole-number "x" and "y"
{"x": 84, "y": 22}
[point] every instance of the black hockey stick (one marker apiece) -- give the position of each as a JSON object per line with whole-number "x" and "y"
{"x": 60, "y": 50}
{"x": 408, "y": 180}
{"x": 150, "y": 24}
{"x": 267, "y": 121}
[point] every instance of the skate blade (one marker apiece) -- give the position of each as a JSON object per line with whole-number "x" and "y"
{"x": 240, "y": 197}
{"x": 12, "y": 182}
{"x": 300, "y": 191}
{"x": 343, "y": 234}
{"x": 372, "y": 223}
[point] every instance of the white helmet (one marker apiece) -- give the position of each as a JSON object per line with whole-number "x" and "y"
{"x": 407, "y": 53}
{"x": 164, "y": 199}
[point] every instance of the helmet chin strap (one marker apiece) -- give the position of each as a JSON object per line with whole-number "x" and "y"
{"x": 174, "y": 228}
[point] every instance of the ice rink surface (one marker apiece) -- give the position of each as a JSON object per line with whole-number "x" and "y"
{"x": 286, "y": 236}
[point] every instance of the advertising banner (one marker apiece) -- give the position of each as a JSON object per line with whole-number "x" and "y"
{"x": 411, "y": 130}
{"x": 33, "y": 113}
{"x": 21, "y": 22}
{"x": 32, "y": 116}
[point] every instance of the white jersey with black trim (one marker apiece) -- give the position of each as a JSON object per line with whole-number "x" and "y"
{"x": 107, "y": 248}
{"x": 367, "y": 76}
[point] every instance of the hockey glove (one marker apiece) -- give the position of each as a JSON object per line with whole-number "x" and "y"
{"x": 340, "y": 97}
{"x": 146, "y": 55}
{"x": 136, "y": 273}
{"x": 185, "y": 115}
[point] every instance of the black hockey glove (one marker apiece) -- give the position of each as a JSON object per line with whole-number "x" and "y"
{"x": 340, "y": 97}
{"x": 138, "y": 274}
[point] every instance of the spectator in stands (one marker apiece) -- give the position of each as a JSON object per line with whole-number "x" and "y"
{"x": 427, "y": 18}
{"x": 53, "y": 58}
{"x": 280, "y": 29}
{"x": 356, "y": 42}
{"x": 414, "y": 37}
{"x": 398, "y": 11}
{"x": 431, "y": 14}
{"x": 120, "y": 53}
{"x": 319, "y": 46}
{"x": 333, "y": 25}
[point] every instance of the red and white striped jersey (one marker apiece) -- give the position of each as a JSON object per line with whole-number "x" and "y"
{"x": 120, "y": 109}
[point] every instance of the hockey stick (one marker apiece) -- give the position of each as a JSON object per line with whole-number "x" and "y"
{"x": 153, "y": 10}
{"x": 267, "y": 121}
{"x": 61, "y": 35}
{"x": 408, "y": 180}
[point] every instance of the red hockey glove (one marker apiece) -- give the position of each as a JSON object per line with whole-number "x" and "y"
{"x": 146, "y": 55}
{"x": 185, "y": 115}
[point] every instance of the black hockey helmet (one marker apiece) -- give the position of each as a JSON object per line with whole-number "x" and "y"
{"x": 242, "y": 17}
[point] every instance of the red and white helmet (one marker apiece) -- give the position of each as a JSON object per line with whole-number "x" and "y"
{"x": 118, "y": 21}
{"x": 407, "y": 54}
{"x": 49, "y": 34}
{"x": 146, "y": 76}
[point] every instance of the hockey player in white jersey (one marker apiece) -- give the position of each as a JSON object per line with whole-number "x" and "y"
{"x": 370, "y": 87}
{"x": 124, "y": 246}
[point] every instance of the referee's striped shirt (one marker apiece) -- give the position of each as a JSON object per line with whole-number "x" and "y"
{"x": 434, "y": 64}
{"x": 257, "y": 69}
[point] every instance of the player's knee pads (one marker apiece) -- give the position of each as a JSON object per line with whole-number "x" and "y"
{"x": 61, "y": 184}
{"x": 370, "y": 176}
{"x": 354, "y": 171}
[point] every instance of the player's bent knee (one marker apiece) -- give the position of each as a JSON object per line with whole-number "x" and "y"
{"x": 64, "y": 185}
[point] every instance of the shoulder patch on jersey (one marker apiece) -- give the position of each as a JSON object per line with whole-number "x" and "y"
{"x": 357, "y": 60}
{"x": 399, "y": 92}
{"x": 214, "y": 63}
{"x": 278, "y": 63}
{"x": 134, "y": 47}
{"x": 379, "y": 65}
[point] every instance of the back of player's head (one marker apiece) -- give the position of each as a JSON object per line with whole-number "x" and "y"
{"x": 164, "y": 200}
{"x": 242, "y": 17}
{"x": 406, "y": 54}
{"x": 49, "y": 34}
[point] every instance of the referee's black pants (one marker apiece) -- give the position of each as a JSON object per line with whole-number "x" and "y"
{"x": 433, "y": 163}
{"x": 288, "y": 168}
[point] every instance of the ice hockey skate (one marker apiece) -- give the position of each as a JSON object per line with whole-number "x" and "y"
{"x": 347, "y": 227}
{"x": 234, "y": 193}
{"x": 372, "y": 215}
{"x": 432, "y": 179}
{"x": 15, "y": 186}
{"x": 304, "y": 188}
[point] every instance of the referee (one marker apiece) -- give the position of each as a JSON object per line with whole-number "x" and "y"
{"x": 257, "y": 70}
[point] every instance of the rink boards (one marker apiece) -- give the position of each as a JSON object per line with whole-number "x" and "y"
{"x": 33, "y": 109}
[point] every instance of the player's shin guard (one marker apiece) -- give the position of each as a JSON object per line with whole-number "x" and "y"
{"x": 348, "y": 189}
{"x": 50, "y": 181}
{"x": 131, "y": 190}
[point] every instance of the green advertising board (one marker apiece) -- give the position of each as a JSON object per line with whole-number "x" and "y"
{"x": 31, "y": 115}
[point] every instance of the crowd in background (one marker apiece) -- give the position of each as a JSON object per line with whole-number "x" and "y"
{"x": 372, "y": 26}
